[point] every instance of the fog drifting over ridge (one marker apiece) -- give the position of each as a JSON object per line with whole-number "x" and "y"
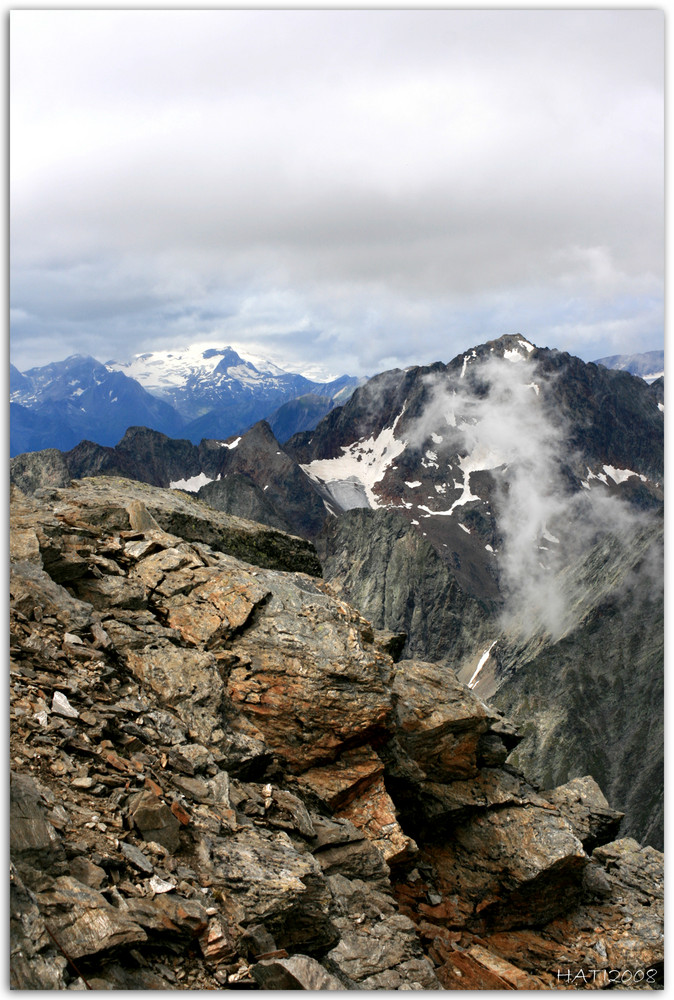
{"x": 363, "y": 189}
{"x": 547, "y": 530}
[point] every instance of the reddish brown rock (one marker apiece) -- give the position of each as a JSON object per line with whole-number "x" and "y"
{"x": 463, "y": 972}
{"x": 516, "y": 865}
{"x": 346, "y": 778}
{"x": 216, "y": 944}
{"x": 440, "y": 722}
{"x": 353, "y": 786}
{"x": 307, "y": 681}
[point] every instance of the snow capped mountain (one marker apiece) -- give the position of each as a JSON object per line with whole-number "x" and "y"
{"x": 489, "y": 449}
{"x": 170, "y": 373}
{"x": 60, "y": 380}
{"x": 200, "y": 381}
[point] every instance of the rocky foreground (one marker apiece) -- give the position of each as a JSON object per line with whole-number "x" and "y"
{"x": 221, "y": 778}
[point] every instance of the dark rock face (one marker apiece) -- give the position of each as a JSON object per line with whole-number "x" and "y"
{"x": 237, "y": 493}
{"x": 221, "y": 780}
{"x": 658, "y": 390}
{"x": 607, "y": 719}
{"x": 35, "y": 470}
{"x": 142, "y": 454}
{"x": 301, "y": 414}
{"x": 34, "y": 844}
{"x": 611, "y": 414}
{"x": 382, "y": 565}
{"x": 280, "y": 489}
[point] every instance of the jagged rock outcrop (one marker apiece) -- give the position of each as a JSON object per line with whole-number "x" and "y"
{"x": 215, "y": 765}
{"x": 127, "y": 505}
{"x": 280, "y": 488}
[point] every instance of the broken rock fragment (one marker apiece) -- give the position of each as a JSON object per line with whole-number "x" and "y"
{"x": 154, "y": 820}
{"x": 83, "y": 922}
{"x": 440, "y": 722}
{"x": 298, "y": 972}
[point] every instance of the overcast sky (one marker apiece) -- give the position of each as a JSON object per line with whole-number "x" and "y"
{"x": 340, "y": 191}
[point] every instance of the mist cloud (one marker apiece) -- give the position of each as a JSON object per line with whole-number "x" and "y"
{"x": 547, "y": 529}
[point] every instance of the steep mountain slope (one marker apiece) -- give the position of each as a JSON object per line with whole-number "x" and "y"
{"x": 221, "y": 779}
{"x": 594, "y": 696}
{"x": 649, "y": 366}
{"x": 301, "y": 414}
{"x": 398, "y": 580}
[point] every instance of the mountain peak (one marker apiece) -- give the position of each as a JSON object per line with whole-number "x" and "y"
{"x": 511, "y": 346}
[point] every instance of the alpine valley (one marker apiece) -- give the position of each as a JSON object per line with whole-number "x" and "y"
{"x": 368, "y": 695}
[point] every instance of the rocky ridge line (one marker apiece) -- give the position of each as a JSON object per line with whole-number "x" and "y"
{"x": 222, "y": 778}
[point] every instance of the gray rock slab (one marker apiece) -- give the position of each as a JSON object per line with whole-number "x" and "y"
{"x": 299, "y": 972}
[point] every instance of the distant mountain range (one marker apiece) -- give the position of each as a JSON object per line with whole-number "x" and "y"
{"x": 649, "y": 366}
{"x": 193, "y": 393}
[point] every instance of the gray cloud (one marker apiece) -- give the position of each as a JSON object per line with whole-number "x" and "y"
{"x": 384, "y": 182}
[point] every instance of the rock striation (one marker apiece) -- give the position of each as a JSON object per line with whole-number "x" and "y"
{"x": 221, "y": 778}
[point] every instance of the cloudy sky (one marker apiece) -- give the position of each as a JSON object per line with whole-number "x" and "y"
{"x": 340, "y": 191}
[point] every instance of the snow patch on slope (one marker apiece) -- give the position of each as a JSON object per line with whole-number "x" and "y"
{"x": 513, "y": 355}
{"x": 620, "y": 475}
{"x": 617, "y": 475}
{"x": 483, "y": 659}
{"x": 355, "y": 473}
{"x": 192, "y": 485}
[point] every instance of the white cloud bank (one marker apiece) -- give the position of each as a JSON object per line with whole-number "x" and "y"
{"x": 360, "y": 188}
